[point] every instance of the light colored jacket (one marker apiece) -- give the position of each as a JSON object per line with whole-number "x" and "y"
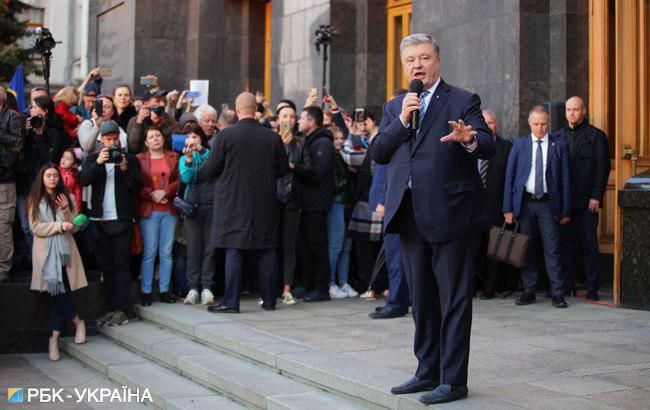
{"x": 42, "y": 231}
{"x": 88, "y": 135}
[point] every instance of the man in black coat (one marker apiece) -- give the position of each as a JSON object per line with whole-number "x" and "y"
{"x": 115, "y": 184}
{"x": 247, "y": 159}
{"x": 589, "y": 165}
{"x": 493, "y": 174}
{"x": 317, "y": 193}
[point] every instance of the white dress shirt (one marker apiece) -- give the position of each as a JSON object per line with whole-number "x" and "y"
{"x": 530, "y": 183}
{"x": 109, "y": 207}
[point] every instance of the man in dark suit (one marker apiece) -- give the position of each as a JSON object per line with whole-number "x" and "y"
{"x": 590, "y": 165}
{"x": 246, "y": 159}
{"x": 493, "y": 174}
{"x": 435, "y": 201}
{"x": 536, "y": 194}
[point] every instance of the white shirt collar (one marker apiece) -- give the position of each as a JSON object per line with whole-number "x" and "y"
{"x": 534, "y": 138}
{"x": 433, "y": 87}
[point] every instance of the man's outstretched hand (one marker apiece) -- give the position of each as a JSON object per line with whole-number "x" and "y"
{"x": 460, "y": 132}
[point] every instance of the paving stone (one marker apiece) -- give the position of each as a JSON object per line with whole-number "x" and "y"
{"x": 247, "y": 341}
{"x": 141, "y": 335}
{"x": 169, "y": 351}
{"x": 179, "y": 317}
{"x": 311, "y": 401}
{"x": 240, "y": 379}
{"x": 100, "y": 353}
{"x": 570, "y": 403}
{"x": 627, "y": 399}
{"x": 206, "y": 402}
{"x": 163, "y": 384}
{"x": 581, "y": 386}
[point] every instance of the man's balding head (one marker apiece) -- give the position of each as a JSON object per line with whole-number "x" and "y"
{"x": 245, "y": 105}
{"x": 575, "y": 111}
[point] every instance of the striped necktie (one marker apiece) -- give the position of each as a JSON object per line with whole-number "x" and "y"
{"x": 483, "y": 171}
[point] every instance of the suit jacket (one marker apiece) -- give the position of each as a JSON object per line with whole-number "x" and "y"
{"x": 448, "y": 197}
{"x": 378, "y": 188}
{"x": 496, "y": 176}
{"x": 556, "y": 173}
{"x": 588, "y": 162}
{"x": 127, "y": 185}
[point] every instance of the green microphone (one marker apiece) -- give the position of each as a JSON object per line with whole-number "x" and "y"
{"x": 80, "y": 220}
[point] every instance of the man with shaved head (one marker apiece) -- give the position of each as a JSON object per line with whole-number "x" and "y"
{"x": 246, "y": 159}
{"x": 589, "y": 164}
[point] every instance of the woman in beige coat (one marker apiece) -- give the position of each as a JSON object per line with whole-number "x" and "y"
{"x": 57, "y": 266}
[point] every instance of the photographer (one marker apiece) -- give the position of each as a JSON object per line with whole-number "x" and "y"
{"x": 89, "y": 90}
{"x": 11, "y": 130}
{"x": 152, "y": 114}
{"x": 45, "y": 141}
{"x": 89, "y": 135}
{"x": 116, "y": 179}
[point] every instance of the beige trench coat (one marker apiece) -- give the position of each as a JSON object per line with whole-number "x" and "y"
{"x": 43, "y": 230}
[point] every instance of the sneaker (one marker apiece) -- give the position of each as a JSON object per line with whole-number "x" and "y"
{"x": 349, "y": 291}
{"x": 192, "y": 297}
{"x": 119, "y": 319}
{"x": 207, "y": 298}
{"x": 337, "y": 293}
{"x": 288, "y": 299}
{"x": 105, "y": 319}
{"x": 260, "y": 301}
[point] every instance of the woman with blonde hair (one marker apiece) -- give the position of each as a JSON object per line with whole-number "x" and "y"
{"x": 64, "y": 100}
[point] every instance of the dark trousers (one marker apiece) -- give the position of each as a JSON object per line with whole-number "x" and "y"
{"x": 314, "y": 250}
{"x": 200, "y": 256}
{"x": 398, "y": 297}
{"x": 62, "y": 307}
{"x": 369, "y": 252}
{"x": 179, "y": 268}
{"x": 440, "y": 284}
{"x": 580, "y": 236}
{"x": 290, "y": 226}
{"x": 267, "y": 269}
{"x": 113, "y": 253}
{"x": 538, "y": 222}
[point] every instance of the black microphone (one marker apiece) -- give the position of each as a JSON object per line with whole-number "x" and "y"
{"x": 415, "y": 86}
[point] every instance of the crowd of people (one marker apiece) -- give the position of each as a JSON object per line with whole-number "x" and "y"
{"x": 286, "y": 200}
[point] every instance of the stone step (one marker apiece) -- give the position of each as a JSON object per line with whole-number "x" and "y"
{"x": 360, "y": 380}
{"x": 168, "y": 389}
{"x": 253, "y": 384}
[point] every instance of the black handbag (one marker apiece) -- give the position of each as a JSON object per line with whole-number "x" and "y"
{"x": 507, "y": 246}
{"x": 186, "y": 206}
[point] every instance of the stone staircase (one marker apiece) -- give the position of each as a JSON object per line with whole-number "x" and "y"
{"x": 189, "y": 358}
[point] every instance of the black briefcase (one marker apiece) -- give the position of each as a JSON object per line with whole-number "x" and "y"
{"x": 508, "y": 246}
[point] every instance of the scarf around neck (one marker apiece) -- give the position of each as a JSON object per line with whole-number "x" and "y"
{"x": 57, "y": 252}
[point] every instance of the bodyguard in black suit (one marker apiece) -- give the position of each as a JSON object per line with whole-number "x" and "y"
{"x": 589, "y": 165}
{"x": 435, "y": 201}
{"x": 493, "y": 174}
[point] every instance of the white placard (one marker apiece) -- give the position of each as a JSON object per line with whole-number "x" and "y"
{"x": 203, "y": 87}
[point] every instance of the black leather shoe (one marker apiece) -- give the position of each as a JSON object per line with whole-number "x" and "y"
{"x": 415, "y": 385}
{"x": 298, "y": 292}
{"x": 265, "y": 307}
{"x": 379, "y": 308}
{"x": 145, "y": 299}
{"x": 444, "y": 394}
{"x": 222, "y": 309}
{"x": 316, "y": 296}
{"x": 526, "y": 299}
{"x": 387, "y": 314}
{"x": 487, "y": 295}
{"x": 559, "y": 302}
{"x": 593, "y": 296}
{"x": 165, "y": 297}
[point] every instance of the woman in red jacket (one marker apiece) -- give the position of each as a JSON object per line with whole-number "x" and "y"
{"x": 157, "y": 215}
{"x": 65, "y": 99}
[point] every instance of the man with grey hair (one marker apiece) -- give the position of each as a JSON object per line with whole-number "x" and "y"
{"x": 11, "y": 137}
{"x": 435, "y": 201}
{"x": 537, "y": 195}
{"x": 206, "y": 115}
{"x": 492, "y": 173}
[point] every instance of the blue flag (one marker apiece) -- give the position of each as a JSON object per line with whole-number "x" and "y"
{"x": 17, "y": 87}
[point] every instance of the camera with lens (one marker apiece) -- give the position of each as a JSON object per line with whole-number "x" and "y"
{"x": 44, "y": 41}
{"x": 36, "y": 121}
{"x": 158, "y": 110}
{"x": 114, "y": 155}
